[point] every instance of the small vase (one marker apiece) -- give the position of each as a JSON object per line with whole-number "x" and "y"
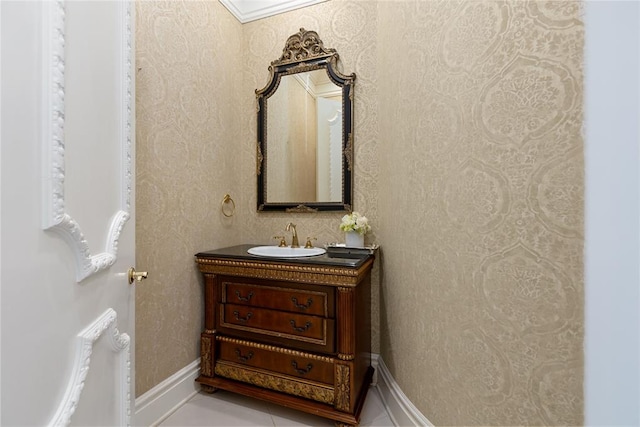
{"x": 353, "y": 239}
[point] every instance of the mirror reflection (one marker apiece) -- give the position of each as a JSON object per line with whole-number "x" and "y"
{"x": 304, "y": 128}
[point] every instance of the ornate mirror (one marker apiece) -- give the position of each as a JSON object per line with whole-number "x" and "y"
{"x": 305, "y": 130}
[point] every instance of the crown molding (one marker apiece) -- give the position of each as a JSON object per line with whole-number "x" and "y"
{"x": 251, "y": 10}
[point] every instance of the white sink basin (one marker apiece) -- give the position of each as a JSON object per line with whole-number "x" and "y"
{"x": 285, "y": 252}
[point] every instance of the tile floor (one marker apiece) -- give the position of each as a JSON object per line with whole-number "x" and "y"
{"x": 228, "y": 409}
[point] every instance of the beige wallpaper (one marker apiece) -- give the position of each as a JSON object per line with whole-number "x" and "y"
{"x": 481, "y": 209}
{"x": 188, "y": 77}
{"x": 469, "y": 165}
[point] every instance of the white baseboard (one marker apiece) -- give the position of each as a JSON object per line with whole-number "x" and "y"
{"x": 400, "y": 409}
{"x": 157, "y": 404}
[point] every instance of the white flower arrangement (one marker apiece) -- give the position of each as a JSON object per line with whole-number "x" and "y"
{"x": 355, "y": 222}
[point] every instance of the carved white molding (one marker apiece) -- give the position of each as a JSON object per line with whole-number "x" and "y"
{"x": 250, "y": 10}
{"x": 55, "y": 217}
{"x": 85, "y": 340}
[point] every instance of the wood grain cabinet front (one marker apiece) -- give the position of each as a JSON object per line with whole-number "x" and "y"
{"x": 314, "y": 302}
{"x": 294, "y": 364}
{"x": 293, "y": 333}
{"x": 279, "y": 326}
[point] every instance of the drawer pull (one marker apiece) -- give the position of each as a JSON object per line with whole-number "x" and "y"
{"x": 300, "y": 328}
{"x": 242, "y": 319}
{"x": 301, "y": 371}
{"x": 243, "y": 358}
{"x": 302, "y": 306}
{"x": 241, "y": 298}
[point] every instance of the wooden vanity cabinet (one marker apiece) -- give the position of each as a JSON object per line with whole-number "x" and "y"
{"x": 296, "y": 333}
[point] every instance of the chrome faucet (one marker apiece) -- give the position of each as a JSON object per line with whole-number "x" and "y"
{"x": 294, "y": 236}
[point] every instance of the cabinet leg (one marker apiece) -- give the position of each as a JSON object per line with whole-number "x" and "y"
{"x": 208, "y": 389}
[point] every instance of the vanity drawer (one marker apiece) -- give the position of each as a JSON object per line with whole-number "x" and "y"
{"x": 293, "y": 363}
{"x": 279, "y": 324}
{"x": 304, "y": 301}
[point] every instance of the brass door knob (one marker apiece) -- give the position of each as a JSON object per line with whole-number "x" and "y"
{"x": 136, "y": 275}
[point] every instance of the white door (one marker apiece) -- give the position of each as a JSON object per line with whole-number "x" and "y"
{"x": 67, "y": 223}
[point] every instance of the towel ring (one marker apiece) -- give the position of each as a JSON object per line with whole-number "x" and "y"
{"x": 225, "y": 200}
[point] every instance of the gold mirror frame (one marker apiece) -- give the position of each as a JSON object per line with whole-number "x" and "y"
{"x": 304, "y": 51}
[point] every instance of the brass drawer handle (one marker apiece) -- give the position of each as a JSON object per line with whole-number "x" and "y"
{"x": 243, "y": 358}
{"x": 301, "y": 371}
{"x": 302, "y": 306}
{"x": 300, "y": 328}
{"x": 242, "y": 319}
{"x": 241, "y": 298}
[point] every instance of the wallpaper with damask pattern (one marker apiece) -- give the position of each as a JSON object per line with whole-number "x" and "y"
{"x": 187, "y": 124}
{"x": 482, "y": 226}
{"x": 469, "y": 164}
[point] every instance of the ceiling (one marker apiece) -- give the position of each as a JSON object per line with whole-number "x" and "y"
{"x": 251, "y": 10}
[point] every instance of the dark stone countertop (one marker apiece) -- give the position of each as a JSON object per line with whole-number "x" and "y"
{"x": 240, "y": 252}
